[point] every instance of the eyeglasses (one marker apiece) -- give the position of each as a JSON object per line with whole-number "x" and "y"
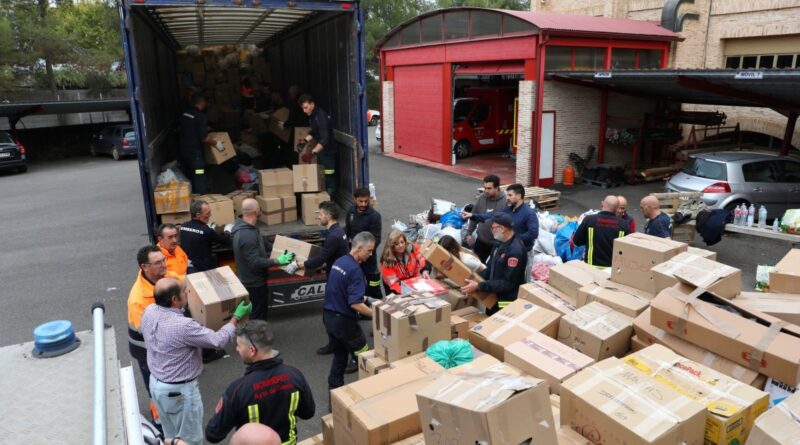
{"x": 247, "y": 336}
{"x": 158, "y": 263}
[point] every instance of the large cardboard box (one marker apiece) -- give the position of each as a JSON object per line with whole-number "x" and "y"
{"x": 511, "y": 324}
{"x": 707, "y": 254}
{"x": 417, "y": 439}
{"x": 717, "y": 278}
{"x": 785, "y": 277}
{"x": 370, "y": 363}
{"x": 221, "y": 209}
{"x": 573, "y": 275}
{"x": 612, "y": 404}
{"x": 404, "y": 326}
{"x": 597, "y": 331}
{"x": 213, "y": 296}
{"x": 546, "y": 358}
{"x": 175, "y": 218}
{"x": 623, "y": 299}
{"x": 309, "y": 206}
{"x": 778, "y": 426}
{"x": 473, "y": 315}
{"x": 276, "y": 119}
{"x": 637, "y": 344}
{"x": 566, "y": 435}
{"x": 327, "y": 429}
{"x": 214, "y": 155}
{"x": 497, "y": 407}
{"x": 732, "y": 406}
{"x": 302, "y": 251}
{"x": 277, "y": 210}
{"x": 237, "y": 197}
{"x": 313, "y": 440}
{"x": 308, "y": 178}
{"x": 454, "y": 269}
{"x": 546, "y": 296}
{"x": 783, "y": 306}
{"x": 752, "y": 339}
{"x": 651, "y": 335}
{"x": 636, "y": 254}
{"x": 276, "y": 182}
{"x": 459, "y": 328}
{"x": 174, "y": 197}
{"x": 457, "y": 300}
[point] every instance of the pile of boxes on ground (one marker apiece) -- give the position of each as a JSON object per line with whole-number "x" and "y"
{"x": 664, "y": 349}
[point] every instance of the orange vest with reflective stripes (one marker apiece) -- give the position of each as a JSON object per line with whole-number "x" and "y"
{"x": 140, "y": 297}
{"x": 176, "y": 263}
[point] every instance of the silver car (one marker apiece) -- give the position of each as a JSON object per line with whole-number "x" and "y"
{"x": 730, "y": 178}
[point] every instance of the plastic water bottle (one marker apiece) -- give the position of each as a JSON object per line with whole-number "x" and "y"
{"x": 737, "y": 216}
{"x": 743, "y": 211}
{"x": 762, "y": 217}
{"x": 776, "y": 224}
{"x": 751, "y": 215}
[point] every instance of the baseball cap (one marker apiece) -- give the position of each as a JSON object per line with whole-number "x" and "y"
{"x": 503, "y": 219}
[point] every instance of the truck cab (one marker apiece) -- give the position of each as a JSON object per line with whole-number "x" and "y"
{"x": 483, "y": 119}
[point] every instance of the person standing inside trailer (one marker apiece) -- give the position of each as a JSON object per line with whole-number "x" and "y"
{"x": 193, "y": 139}
{"x": 322, "y": 132}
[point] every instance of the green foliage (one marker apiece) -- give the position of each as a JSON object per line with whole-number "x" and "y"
{"x": 68, "y": 78}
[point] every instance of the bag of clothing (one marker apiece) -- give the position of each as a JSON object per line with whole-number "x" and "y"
{"x": 563, "y": 246}
{"x": 452, "y": 219}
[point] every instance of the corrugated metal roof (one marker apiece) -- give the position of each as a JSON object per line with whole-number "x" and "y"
{"x": 595, "y": 26}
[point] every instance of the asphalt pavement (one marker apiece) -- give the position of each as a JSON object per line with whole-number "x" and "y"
{"x": 71, "y": 230}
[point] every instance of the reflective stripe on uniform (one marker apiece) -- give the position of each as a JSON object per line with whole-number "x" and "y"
{"x": 362, "y": 350}
{"x": 374, "y": 283}
{"x": 590, "y": 252}
{"x": 252, "y": 414}
{"x": 502, "y": 304}
{"x": 293, "y": 402}
{"x": 136, "y": 343}
{"x": 329, "y": 172}
{"x": 621, "y": 234}
{"x": 200, "y": 171}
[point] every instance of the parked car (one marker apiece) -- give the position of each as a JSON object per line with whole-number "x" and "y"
{"x": 378, "y": 133}
{"x": 373, "y": 117}
{"x": 730, "y": 178}
{"x": 116, "y": 140}
{"x": 483, "y": 120}
{"x": 12, "y": 153}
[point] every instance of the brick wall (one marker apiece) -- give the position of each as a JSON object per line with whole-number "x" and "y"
{"x": 387, "y": 117}
{"x": 577, "y": 7}
{"x": 527, "y": 99}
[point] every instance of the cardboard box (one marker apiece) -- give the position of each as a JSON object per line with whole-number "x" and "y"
{"x": 175, "y": 218}
{"x": 313, "y": 440}
{"x": 277, "y": 210}
{"x": 546, "y": 358}
{"x": 778, "y": 391}
{"x": 785, "y": 277}
{"x": 302, "y": 251}
{"x": 457, "y": 300}
{"x": 459, "y": 328}
{"x": 636, "y": 254}
{"x": 308, "y": 178}
{"x": 783, "y": 306}
{"x": 497, "y": 407}
{"x": 623, "y": 299}
{"x": 597, "y": 331}
{"x": 213, "y": 296}
{"x": 612, "y": 404}
{"x": 707, "y": 254}
{"x": 454, "y": 269}
{"x": 327, "y": 429}
{"x": 717, "y": 278}
{"x": 573, "y": 275}
{"x": 370, "y": 363}
{"x": 214, "y": 155}
{"x": 472, "y": 314}
{"x": 276, "y": 182}
{"x": 779, "y": 425}
{"x": 237, "y": 197}
{"x": 511, "y": 324}
{"x": 174, "y": 197}
{"x": 221, "y": 209}
{"x": 732, "y": 406}
{"x": 300, "y": 134}
{"x": 417, "y": 439}
{"x": 548, "y": 297}
{"x": 637, "y": 344}
{"x": 745, "y": 339}
{"x": 651, "y": 335}
{"x": 566, "y": 435}
{"x": 309, "y": 205}
{"x": 281, "y": 115}
{"x": 404, "y": 326}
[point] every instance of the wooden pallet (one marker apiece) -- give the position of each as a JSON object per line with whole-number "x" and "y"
{"x": 546, "y": 199}
{"x": 602, "y": 184}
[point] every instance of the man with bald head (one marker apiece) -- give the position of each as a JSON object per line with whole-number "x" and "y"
{"x": 622, "y": 212}
{"x": 255, "y": 434}
{"x": 597, "y": 232}
{"x": 658, "y": 223}
{"x": 252, "y": 258}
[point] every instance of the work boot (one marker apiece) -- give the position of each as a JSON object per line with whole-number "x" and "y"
{"x": 325, "y": 350}
{"x": 352, "y": 366}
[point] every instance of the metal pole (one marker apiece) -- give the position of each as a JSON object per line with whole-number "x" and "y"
{"x": 130, "y": 407}
{"x": 99, "y": 375}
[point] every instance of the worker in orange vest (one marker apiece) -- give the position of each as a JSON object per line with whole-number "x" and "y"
{"x": 177, "y": 260}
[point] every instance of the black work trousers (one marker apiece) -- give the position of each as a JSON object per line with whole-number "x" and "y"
{"x": 259, "y": 296}
{"x": 346, "y": 337}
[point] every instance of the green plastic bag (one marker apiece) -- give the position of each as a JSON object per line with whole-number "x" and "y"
{"x": 450, "y": 354}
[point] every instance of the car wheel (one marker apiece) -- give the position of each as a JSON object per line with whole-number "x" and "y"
{"x": 22, "y": 169}
{"x": 462, "y": 149}
{"x": 374, "y": 121}
{"x": 115, "y": 154}
{"x": 92, "y": 150}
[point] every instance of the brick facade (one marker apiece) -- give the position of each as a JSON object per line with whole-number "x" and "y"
{"x": 527, "y": 101}
{"x": 387, "y": 119}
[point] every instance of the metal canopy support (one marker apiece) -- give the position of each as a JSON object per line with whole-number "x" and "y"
{"x": 787, "y": 135}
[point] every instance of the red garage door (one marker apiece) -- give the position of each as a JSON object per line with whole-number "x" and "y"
{"x": 418, "y": 111}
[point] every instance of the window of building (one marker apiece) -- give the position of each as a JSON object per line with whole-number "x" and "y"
{"x": 785, "y": 61}
{"x": 590, "y": 58}
{"x": 623, "y": 58}
{"x": 763, "y": 61}
{"x": 558, "y": 58}
{"x": 650, "y": 58}
{"x": 455, "y": 25}
{"x": 410, "y": 34}
{"x": 733, "y": 62}
{"x": 513, "y": 24}
{"x": 749, "y": 62}
{"x": 432, "y": 29}
{"x": 766, "y": 61}
{"x": 484, "y": 24}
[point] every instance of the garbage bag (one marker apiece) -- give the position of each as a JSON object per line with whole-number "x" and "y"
{"x": 545, "y": 243}
{"x": 452, "y": 218}
{"x": 562, "y": 243}
{"x": 452, "y": 231}
{"x": 450, "y": 353}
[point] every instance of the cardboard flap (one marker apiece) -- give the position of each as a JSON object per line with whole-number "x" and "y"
{"x": 479, "y": 390}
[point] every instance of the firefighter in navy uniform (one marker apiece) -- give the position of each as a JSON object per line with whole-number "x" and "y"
{"x": 322, "y": 132}
{"x": 197, "y": 238}
{"x": 193, "y": 139}
{"x": 362, "y": 217}
{"x": 335, "y": 244}
{"x": 597, "y": 232}
{"x": 505, "y": 268}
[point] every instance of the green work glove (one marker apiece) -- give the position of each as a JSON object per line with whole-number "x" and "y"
{"x": 285, "y": 258}
{"x": 243, "y": 310}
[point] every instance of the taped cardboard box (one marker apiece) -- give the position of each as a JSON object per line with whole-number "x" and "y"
{"x": 215, "y": 155}
{"x": 651, "y": 335}
{"x": 566, "y": 435}
{"x": 313, "y": 440}
{"x": 454, "y": 269}
{"x": 597, "y": 331}
{"x": 237, "y": 197}
{"x": 459, "y": 328}
{"x": 498, "y": 406}
{"x": 302, "y": 251}
{"x": 778, "y": 391}
{"x": 277, "y": 122}
{"x": 636, "y": 254}
{"x": 417, "y": 439}
{"x": 613, "y": 404}
{"x": 778, "y": 426}
{"x": 370, "y": 363}
{"x": 717, "y": 278}
{"x": 308, "y": 178}
{"x": 573, "y": 275}
{"x": 546, "y": 358}
{"x": 511, "y": 324}
{"x": 327, "y": 429}
{"x": 785, "y": 277}
{"x": 457, "y": 300}
{"x": 174, "y": 197}
{"x": 637, "y": 344}
{"x": 783, "y": 306}
{"x": 404, "y": 326}
{"x": 277, "y": 210}
{"x": 759, "y": 341}
{"x": 472, "y": 314}
{"x": 732, "y": 406}
{"x": 175, "y": 218}
{"x": 546, "y": 296}
{"x": 623, "y": 299}
{"x": 309, "y": 205}
{"x": 221, "y": 209}
{"x": 275, "y": 182}
{"x": 213, "y": 296}
{"x": 707, "y": 254}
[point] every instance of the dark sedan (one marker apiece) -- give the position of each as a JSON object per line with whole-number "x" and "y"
{"x": 12, "y": 154}
{"x": 117, "y": 140}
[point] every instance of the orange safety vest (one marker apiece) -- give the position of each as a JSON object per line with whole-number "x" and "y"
{"x": 177, "y": 262}
{"x": 399, "y": 272}
{"x": 140, "y": 297}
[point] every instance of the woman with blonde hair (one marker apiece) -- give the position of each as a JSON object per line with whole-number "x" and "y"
{"x": 401, "y": 261}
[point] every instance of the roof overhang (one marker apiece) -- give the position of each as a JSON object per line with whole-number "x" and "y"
{"x": 65, "y": 107}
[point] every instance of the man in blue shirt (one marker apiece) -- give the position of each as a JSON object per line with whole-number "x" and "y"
{"x": 344, "y": 300}
{"x": 658, "y": 223}
{"x": 526, "y": 223}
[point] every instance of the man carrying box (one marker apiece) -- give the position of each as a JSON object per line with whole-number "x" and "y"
{"x": 335, "y": 244}
{"x": 193, "y": 139}
{"x": 597, "y": 232}
{"x": 322, "y": 132}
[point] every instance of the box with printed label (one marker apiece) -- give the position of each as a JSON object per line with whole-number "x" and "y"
{"x": 309, "y": 204}
{"x": 613, "y": 404}
{"x": 217, "y": 154}
{"x": 174, "y": 197}
{"x": 732, "y": 406}
{"x": 237, "y": 197}
{"x": 213, "y": 296}
{"x": 308, "y": 178}
{"x": 274, "y": 183}
{"x": 302, "y": 251}
{"x": 548, "y": 297}
{"x": 636, "y": 254}
{"x": 454, "y": 269}
{"x": 277, "y": 210}
{"x": 785, "y": 277}
{"x": 623, "y": 299}
{"x": 778, "y": 426}
{"x": 783, "y": 306}
{"x": 546, "y": 358}
{"x": 404, "y": 326}
{"x": 571, "y": 276}
{"x": 717, "y": 278}
{"x": 511, "y": 324}
{"x": 597, "y": 331}
{"x": 221, "y": 209}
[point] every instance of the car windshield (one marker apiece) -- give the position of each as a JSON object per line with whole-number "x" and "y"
{"x": 704, "y": 168}
{"x": 462, "y": 109}
{"x": 129, "y": 134}
{"x": 6, "y": 138}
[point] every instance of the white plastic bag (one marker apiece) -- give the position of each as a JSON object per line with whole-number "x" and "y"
{"x": 545, "y": 243}
{"x": 431, "y": 231}
{"x": 399, "y": 226}
{"x": 452, "y": 231}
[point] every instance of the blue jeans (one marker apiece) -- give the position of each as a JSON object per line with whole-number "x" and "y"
{"x": 345, "y": 337}
{"x": 180, "y": 408}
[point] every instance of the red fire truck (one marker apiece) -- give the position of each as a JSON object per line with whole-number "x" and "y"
{"x": 483, "y": 119}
